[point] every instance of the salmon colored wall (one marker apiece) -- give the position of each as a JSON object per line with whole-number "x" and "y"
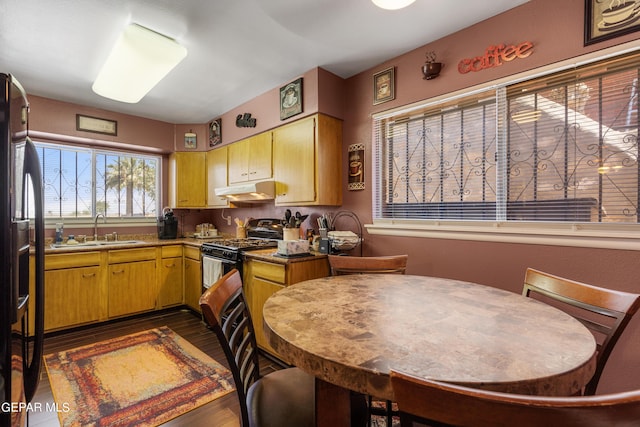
{"x": 56, "y": 117}
{"x": 556, "y": 30}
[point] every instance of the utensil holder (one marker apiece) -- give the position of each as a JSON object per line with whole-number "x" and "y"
{"x": 290, "y": 234}
{"x": 241, "y": 232}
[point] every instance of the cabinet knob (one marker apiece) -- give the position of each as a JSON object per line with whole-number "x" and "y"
{"x": 118, "y": 272}
{"x": 86, "y": 276}
{"x": 170, "y": 265}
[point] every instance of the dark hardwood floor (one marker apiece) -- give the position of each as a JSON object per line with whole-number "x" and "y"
{"x": 222, "y": 412}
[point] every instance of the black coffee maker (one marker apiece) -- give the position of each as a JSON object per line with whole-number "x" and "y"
{"x": 167, "y": 225}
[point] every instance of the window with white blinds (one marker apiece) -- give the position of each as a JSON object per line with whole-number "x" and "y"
{"x": 561, "y": 148}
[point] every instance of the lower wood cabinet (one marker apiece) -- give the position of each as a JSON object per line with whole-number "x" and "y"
{"x": 72, "y": 292}
{"x": 93, "y": 286}
{"x": 192, "y": 277}
{"x": 262, "y": 279}
{"x": 132, "y": 285}
{"x": 170, "y": 271}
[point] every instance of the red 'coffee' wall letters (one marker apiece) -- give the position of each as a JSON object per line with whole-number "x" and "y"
{"x": 494, "y": 56}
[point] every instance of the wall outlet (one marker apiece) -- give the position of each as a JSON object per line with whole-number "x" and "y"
{"x": 227, "y": 218}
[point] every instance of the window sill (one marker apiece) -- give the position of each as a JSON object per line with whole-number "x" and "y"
{"x": 605, "y": 236}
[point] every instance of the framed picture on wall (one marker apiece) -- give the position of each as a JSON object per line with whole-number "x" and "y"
{"x": 291, "y": 99}
{"x": 190, "y": 140}
{"x": 215, "y": 132}
{"x": 356, "y": 167}
{"x": 606, "y": 19}
{"x": 384, "y": 86}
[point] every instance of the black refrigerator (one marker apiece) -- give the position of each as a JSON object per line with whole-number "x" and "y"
{"x": 21, "y": 230}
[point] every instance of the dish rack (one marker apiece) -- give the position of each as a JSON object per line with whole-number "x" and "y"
{"x": 345, "y": 240}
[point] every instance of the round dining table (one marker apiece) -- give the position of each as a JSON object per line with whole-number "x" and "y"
{"x": 350, "y": 331}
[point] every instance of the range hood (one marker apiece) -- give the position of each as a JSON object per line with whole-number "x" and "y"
{"x": 258, "y": 191}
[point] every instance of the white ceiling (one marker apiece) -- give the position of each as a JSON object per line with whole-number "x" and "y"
{"x": 238, "y": 49}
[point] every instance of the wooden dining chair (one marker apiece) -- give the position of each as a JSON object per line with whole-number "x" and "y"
{"x": 438, "y": 403}
{"x": 284, "y": 398}
{"x": 342, "y": 265}
{"x": 367, "y": 265}
{"x": 604, "y": 312}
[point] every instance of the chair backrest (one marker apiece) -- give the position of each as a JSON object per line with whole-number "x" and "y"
{"x": 225, "y": 310}
{"x": 604, "y": 312}
{"x": 468, "y": 407}
{"x": 374, "y": 264}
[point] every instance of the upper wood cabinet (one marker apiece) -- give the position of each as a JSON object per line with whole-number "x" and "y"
{"x": 307, "y": 160}
{"x": 216, "y": 177}
{"x": 187, "y": 180}
{"x": 250, "y": 159}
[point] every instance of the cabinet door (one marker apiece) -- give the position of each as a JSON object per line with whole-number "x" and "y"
{"x": 294, "y": 162}
{"x": 170, "y": 282}
{"x": 192, "y": 283}
{"x": 261, "y": 290}
{"x": 260, "y": 157}
{"x": 132, "y": 287}
{"x": 238, "y": 154}
{"x": 250, "y": 159}
{"x": 188, "y": 180}
{"x": 307, "y": 162}
{"x": 216, "y": 177}
{"x": 71, "y": 297}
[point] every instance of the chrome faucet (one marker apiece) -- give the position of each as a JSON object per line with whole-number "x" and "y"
{"x": 95, "y": 225}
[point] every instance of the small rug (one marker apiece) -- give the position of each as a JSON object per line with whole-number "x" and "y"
{"x": 143, "y": 379}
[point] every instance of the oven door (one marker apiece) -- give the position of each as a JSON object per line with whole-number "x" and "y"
{"x": 213, "y": 269}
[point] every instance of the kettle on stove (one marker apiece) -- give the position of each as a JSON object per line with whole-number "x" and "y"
{"x": 167, "y": 225}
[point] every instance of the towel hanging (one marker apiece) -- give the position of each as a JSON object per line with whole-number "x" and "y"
{"x": 211, "y": 271}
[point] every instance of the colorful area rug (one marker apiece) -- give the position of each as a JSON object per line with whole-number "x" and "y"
{"x": 143, "y": 379}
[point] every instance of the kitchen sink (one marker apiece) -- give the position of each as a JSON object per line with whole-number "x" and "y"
{"x": 101, "y": 243}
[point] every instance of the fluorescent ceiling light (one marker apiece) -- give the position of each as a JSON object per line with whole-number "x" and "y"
{"x": 138, "y": 61}
{"x": 392, "y": 4}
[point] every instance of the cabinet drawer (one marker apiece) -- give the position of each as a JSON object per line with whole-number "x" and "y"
{"x": 269, "y": 271}
{"x": 191, "y": 252}
{"x": 171, "y": 251}
{"x": 84, "y": 259}
{"x": 128, "y": 255}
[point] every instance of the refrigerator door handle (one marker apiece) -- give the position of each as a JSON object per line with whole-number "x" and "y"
{"x": 32, "y": 370}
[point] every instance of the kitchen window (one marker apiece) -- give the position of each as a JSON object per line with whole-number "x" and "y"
{"x": 558, "y": 152}
{"x": 82, "y": 182}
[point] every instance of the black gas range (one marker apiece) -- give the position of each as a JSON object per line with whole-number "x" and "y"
{"x": 222, "y": 255}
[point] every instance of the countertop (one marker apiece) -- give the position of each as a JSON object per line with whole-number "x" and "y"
{"x": 141, "y": 243}
{"x": 268, "y": 254}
